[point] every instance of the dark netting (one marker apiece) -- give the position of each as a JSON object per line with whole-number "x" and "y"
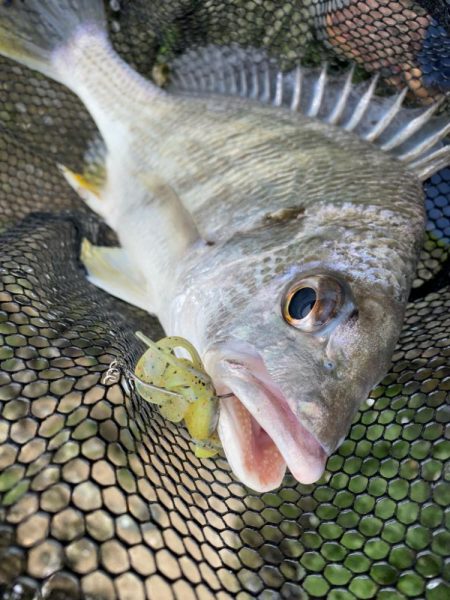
{"x": 100, "y": 497}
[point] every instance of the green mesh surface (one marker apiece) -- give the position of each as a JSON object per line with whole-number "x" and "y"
{"x": 101, "y": 498}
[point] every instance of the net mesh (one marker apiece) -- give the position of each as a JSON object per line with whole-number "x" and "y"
{"x": 100, "y": 497}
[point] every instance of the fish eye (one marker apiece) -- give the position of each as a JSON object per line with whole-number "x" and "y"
{"x": 301, "y": 303}
{"x": 310, "y": 303}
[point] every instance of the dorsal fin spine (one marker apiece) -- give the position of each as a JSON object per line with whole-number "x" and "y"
{"x": 295, "y": 103}
{"x": 414, "y": 140}
{"x": 278, "y": 99}
{"x": 255, "y": 83}
{"x": 178, "y": 78}
{"x": 266, "y": 93}
{"x": 388, "y": 117}
{"x": 233, "y": 87}
{"x": 243, "y": 82}
{"x": 430, "y": 164}
{"x": 336, "y": 115}
{"x": 362, "y": 106}
{"x": 319, "y": 91}
{"x": 427, "y": 144}
{"x": 410, "y": 129}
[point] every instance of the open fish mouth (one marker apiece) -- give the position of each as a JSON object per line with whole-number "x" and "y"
{"x": 259, "y": 432}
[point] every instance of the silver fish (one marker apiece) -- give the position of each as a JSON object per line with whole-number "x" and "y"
{"x": 273, "y": 219}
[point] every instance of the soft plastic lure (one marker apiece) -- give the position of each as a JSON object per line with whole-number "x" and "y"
{"x": 181, "y": 389}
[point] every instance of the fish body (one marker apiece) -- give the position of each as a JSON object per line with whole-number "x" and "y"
{"x": 274, "y": 221}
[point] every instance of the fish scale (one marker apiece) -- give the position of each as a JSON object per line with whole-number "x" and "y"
{"x": 193, "y": 179}
{"x": 384, "y": 490}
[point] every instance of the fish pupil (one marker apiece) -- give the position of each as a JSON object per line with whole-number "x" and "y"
{"x": 302, "y": 303}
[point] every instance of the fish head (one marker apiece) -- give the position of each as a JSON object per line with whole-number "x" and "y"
{"x": 295, "y": 346}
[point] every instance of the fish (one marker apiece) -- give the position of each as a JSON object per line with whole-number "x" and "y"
{"x": 272, "y": 218}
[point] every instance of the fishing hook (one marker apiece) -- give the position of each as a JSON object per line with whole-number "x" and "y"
{"x": 116, "y": 370}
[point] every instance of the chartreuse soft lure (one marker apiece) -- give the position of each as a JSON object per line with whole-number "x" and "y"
{"x": 181, "y": 389}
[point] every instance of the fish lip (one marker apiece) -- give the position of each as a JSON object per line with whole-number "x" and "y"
{"x": 230, "y": 430}
{"x": 246, "y": 376}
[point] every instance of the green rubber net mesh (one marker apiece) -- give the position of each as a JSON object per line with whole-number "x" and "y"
{"x": 99, "y": 496}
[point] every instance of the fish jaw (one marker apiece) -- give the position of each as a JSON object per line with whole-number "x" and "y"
{"x": 259, "y": 432}
{"x": 254, "y": 458}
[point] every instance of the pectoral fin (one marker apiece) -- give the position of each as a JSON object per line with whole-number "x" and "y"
{"x": 88, "y": 190}
{"x": 111, "y": 270}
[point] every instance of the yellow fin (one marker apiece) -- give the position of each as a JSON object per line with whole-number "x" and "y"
{"x": 86, "y": 187}
{"x": 110, "y": 269}
{"x": 81, "y": 183}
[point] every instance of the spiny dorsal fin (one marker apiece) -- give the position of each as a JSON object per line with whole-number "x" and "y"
{"x": 413, "y": 136}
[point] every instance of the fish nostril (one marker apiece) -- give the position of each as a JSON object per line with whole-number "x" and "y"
{"x": 329, "y": 366}
{"x": 353, "y": 315}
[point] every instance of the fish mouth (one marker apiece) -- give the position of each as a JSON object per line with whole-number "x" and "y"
{"x": 259, "y": 432}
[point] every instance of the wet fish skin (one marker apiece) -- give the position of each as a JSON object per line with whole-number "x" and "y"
{"x": 221, "y": 205}
{"x": 235, "y": 166}
{"x": 241, "y": 300}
